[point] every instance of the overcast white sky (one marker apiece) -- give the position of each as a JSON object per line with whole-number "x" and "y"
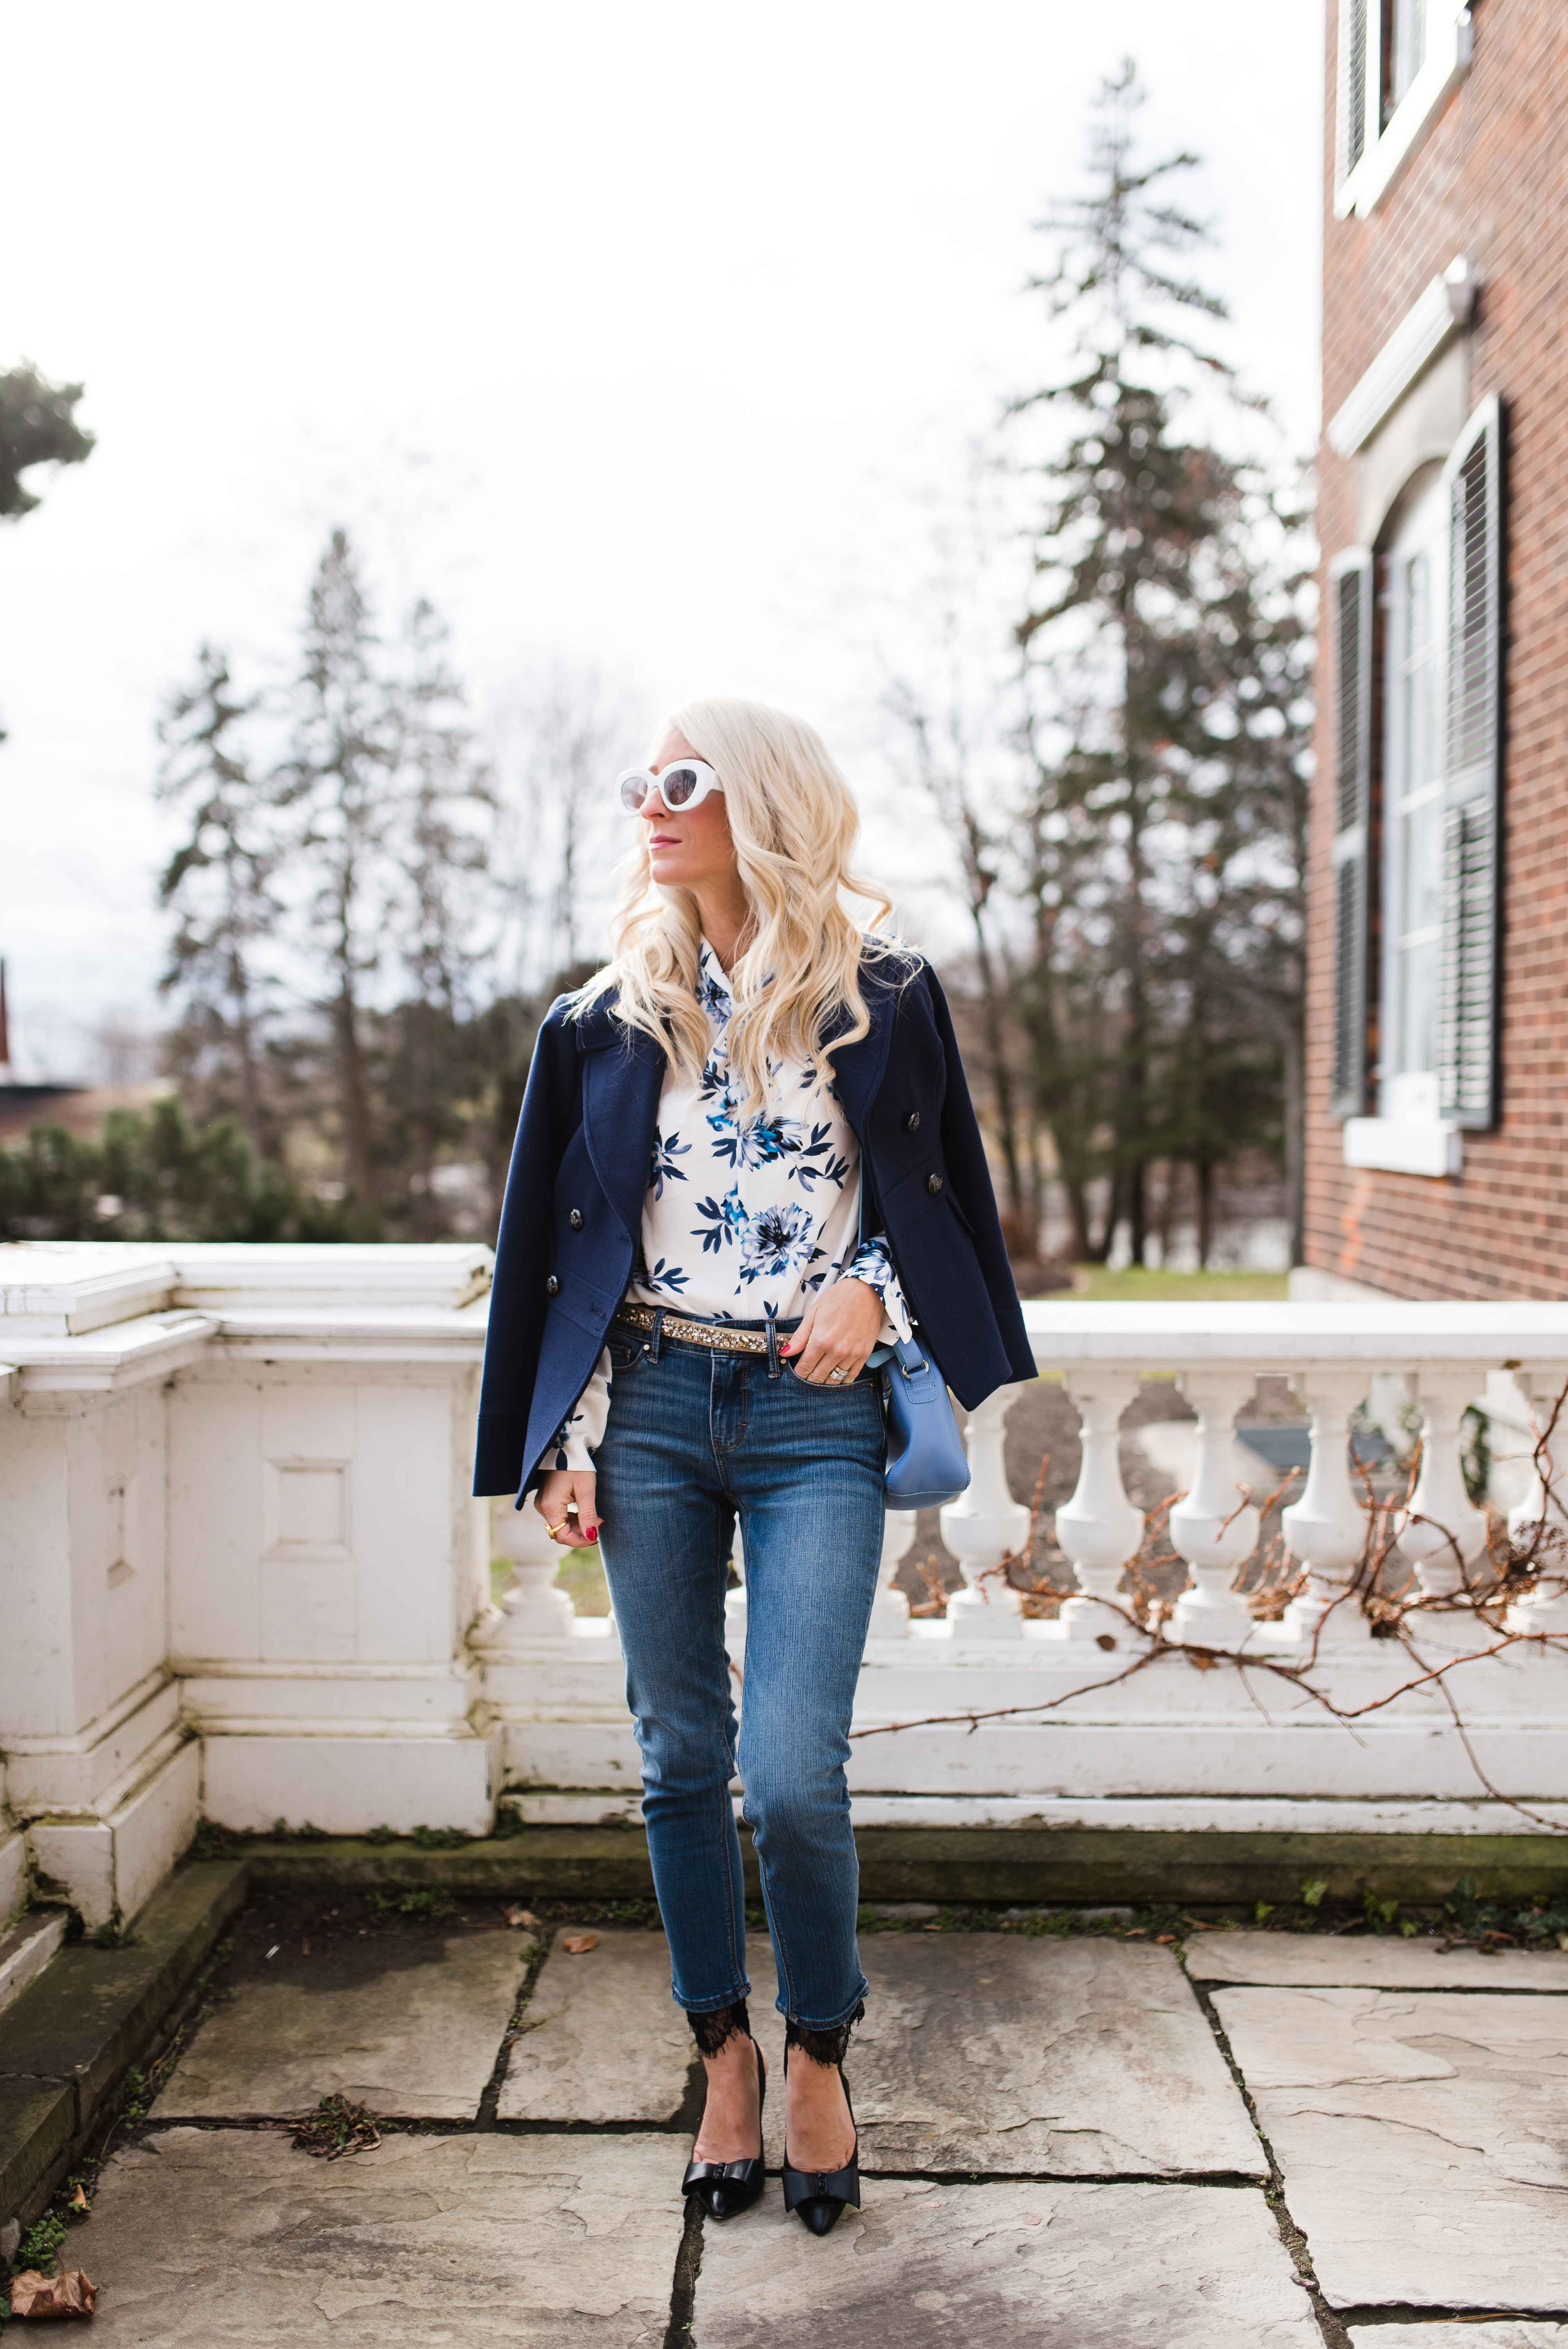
{"x": 630, "y": 334}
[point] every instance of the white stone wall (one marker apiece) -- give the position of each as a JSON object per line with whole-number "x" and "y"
{"x": 238, "y": 1556}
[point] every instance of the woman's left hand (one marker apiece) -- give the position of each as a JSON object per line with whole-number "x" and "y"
{"x": 837, "y": 1332}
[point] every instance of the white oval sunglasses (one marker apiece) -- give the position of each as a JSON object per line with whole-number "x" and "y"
{"x": 685, "y": 783}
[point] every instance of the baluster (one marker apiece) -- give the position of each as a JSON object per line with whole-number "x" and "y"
{"x": 1211, "y": 1526}
{"x": 1442, "y": 1533}
{"x": 1099, "y": 1529}
{"x": 530, "y": 1608}
{"x": 1327, "y": 1529}
{"x": 1547, "y": 1608}
{"x": 981, "y": 1527}
{"x": 890, "y": 1608}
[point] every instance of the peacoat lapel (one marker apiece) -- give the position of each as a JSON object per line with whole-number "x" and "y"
{"x": 622, "y": 1073}
{"x": 858, "y": 1069}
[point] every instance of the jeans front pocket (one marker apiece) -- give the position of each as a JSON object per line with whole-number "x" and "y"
{"x": 838, "y": 1387}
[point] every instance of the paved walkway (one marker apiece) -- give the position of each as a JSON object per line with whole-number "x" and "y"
{"x": 1254, "y": 2141}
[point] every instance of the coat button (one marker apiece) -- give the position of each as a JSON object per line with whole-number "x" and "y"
{"x": 911, "y": 1123}
{"x": 933, "y": 1183}
{"x": 575, "y": 1219}
{"x": 552, "y": 1287}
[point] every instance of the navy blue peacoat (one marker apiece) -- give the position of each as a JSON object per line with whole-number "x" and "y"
{"x": 571, "y": 1217}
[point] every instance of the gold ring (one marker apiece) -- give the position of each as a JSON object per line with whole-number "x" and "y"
{"x": 560, "y": 1528}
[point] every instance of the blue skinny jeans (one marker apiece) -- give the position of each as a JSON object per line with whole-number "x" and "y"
{"x": 694, "y": 1441}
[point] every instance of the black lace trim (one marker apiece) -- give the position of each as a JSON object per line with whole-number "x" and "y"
{"x": 823, "y": 2046}
{"x": 718, "y": 2026}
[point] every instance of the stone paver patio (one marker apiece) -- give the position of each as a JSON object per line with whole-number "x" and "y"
{"x": 1056, "y": 2145}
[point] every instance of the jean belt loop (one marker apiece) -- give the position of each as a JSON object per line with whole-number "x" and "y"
{"x": 656, "y": 1333}
{"x": 772, "y": 1346}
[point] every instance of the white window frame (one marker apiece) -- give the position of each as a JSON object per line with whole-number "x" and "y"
{"x": 1447, "y": 58}
{"x": 1404, "y": 1096}
{"x": 1412, "y": 1135}
{"x": 1407, "y": 1134}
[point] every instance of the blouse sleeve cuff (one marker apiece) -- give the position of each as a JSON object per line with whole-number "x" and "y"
{"x": 583, "y": 1432}
{"x": 873, "y": 1263}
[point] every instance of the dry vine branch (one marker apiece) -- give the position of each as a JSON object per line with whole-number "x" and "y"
{"x": 1390, "y": 1616}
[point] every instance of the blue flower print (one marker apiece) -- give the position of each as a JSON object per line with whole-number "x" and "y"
{"x": 832, "y": 1170}
{"x": 763, "y": 1142}
{"x": 665, "y": 1274}
{"x": 667, "y": 1148}
{"x": 726, "y": 1218}
{"x": 713, "y": 997}
{"x": 776, "y": 1239}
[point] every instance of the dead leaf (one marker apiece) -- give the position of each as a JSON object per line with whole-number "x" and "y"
{"x": 1165, "y": 1938}
{"x": 1105, "y": 1640}
{"x": 69, "y": 2295}
{"x": 1200, "y": 1662}
{"x": 577, "y": 1945}
{"x": 79, "y": 2198}
{"x": 335, "y": 2128}
{"x": 524, "y": 1918}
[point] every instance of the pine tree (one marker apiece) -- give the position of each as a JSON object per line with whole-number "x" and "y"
{"x": 220, "y": 885}
{"x": 443, "y": 802}
{"x": 1145, "y": 517}
{"x": 1238, "y": 934}
{"x": 336, "y": 785}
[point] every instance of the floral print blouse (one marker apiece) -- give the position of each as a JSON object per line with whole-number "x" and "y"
{"x": 743, "y": 1221}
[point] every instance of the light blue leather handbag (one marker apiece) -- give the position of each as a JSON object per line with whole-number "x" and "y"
{"x": 927, "y": 1464}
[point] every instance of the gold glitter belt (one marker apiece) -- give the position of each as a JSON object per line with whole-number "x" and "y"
{"x": 721, "y": 1336}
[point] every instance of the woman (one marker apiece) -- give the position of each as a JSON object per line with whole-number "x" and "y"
{"x": 747, "y": 1155}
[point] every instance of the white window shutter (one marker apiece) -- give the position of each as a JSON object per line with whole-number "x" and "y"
{"x": 1350, "y": 597}
{"x": 1472, "y": 902}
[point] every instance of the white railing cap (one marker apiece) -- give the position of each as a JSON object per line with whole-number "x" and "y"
{"x": 1073, "y": 1330}
{"x": 67, "y": 1289}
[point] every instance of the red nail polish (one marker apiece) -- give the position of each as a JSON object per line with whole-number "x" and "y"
{"x": 592, "y": 1533}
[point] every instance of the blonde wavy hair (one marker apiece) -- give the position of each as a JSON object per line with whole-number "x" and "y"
{"x": 794, "y": 825}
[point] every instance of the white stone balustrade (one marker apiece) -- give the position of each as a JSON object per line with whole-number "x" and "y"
{"x": 1442, "y": 1533}
{"x": 1326, "y": 1529}
{"x": 240, "y": 1575}
{"x": 1539, "y": 1519}
{"x": 1098, "y": 1529}
{"x": 980, "y": 1527}
{"x": 890, "y": 1608}
{"x": 1213, "y": 1526}
{"x": 529, "y": 1605}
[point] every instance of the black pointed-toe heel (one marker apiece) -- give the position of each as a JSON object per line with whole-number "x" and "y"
{"x": 726, "y": 2189}
{"x": 819, "y": 2197}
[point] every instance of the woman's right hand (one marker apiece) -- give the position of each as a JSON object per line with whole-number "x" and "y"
{"x": 565, "y": 1501}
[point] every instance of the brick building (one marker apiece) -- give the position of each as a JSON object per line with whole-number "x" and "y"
{"x": 1438, "y": 1005}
